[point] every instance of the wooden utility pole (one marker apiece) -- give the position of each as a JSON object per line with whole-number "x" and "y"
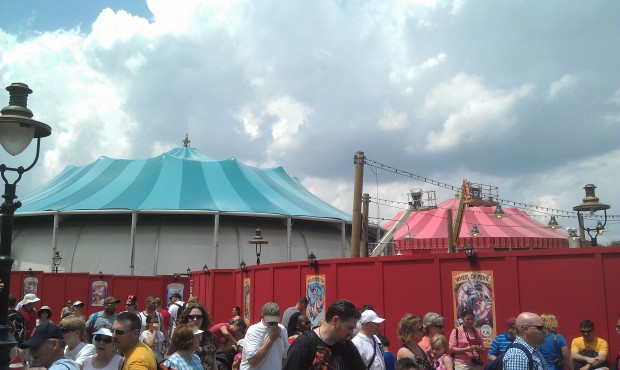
{"x": 359, "y": 160}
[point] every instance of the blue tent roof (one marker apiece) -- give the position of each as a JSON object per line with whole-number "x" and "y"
{"x": 181, "y": 179}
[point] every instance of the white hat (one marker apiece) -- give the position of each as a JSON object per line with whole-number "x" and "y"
{"x": 198, "y": 331}
{"x": 103, "y": 331}
{"x": 29, "y": 298}
{"x": 240, "y": 342}
{"x": 78, "y": 304}
{"x": 370, "y": 316}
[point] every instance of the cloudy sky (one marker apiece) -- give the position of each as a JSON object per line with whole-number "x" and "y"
{"x": 524, "y": 95}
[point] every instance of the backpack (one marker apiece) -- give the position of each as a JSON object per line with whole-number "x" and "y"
{"x": 498, "y": 363}
{"x": 180, "y": 310}
{"x": 17, "y": 322}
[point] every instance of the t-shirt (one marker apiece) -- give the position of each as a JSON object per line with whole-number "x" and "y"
{"x": 370, "y": 349}
{"x": 80, "y": 352}
{"x": 465, "y": 339}
{"x": 100, "y": 320}
{"x": 165, "y": 315}
{"x": 158, "y": 346}
{"x": 140, "y": 357}
{"x": 175, "y": 310}
{"x": 499, "y": 344}
{"x": 177, "y": 362}
{"x": 64, "y": 364}
{"x": 286, "y": 316}
{"x": 217, "y": 332}
{"x": 309, "y": 351}
{"x": 425, "y": 343}
{"x": 552, "y": 351}
{"x": 599, "y": 345}
{"x": 390, "y": 360}
{"x": 112, "y": 365}
{"x": 254, "y": 338}
{"x": 30, "y": 320}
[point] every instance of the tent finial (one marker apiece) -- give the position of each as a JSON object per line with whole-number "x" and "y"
{"x": 186, "y": 142}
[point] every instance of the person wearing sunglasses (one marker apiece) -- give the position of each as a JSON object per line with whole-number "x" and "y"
{"x": 131, "y": 304}
{"x": 47, "y": 348}
{"x": 126, "y": 339}
{"x": 589, "y": 351}
{"x": 153, "y": 337}
{"x": 195, "y": 314}
{"x": 105, "y": 357}
{"x": 72, "y": 328}
{"x": 432, "y": 324}
{"x": 524, "y": 352}
{"x": 466, "y": 342}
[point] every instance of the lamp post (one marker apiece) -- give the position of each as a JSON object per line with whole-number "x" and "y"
{"x": 56, "y": 261}
{"x": 591, "y": 204}
{"x": 17, "y": 129}
{"x": 258, "y": 242}
{"x": 312, "y": 261}
{"x": 471, "y": 253}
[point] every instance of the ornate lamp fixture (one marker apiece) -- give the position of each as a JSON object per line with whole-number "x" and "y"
{"x": 243, "y": 267}
{"x": 499, "y": 212}
{"x": 591, "y": 204}
{"x": 312, "y": 261}
{"x": 471, "y": 253}
{"x": 258, "y": 242}
{"x": 553, "y": 223}
{"x": 56, "y": 261}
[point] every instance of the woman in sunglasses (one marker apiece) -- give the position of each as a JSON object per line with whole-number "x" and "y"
{"x": 153, "y": 337}
{"x": 195, "y": 314}
{"x": 432, "y": 324}
{"x": 105, "y": 358}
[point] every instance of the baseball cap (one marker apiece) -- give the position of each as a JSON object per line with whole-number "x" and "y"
{"x": 30, "y": 298}
{"x": 271, "y": 312}
{"x": 78, "y": 304}
{"x": 511, "y": 322}
{"x": 41, "y": 334}
{"x": 111, "y": 300}
{"x": 198, "y": 331}
{"x": 370, "y": 316}
{"x": 176, "y": 295}
{"x": 103, "y": 331}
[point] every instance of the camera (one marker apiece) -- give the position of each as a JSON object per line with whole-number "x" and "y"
{"x": 477, "y": 361}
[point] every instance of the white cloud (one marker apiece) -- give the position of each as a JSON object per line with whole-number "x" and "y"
{"x": 290, "y": 115}
{"x": 560, "y": 86}
{"x": 391, "y": 120}
{"x": 470, "y": 111}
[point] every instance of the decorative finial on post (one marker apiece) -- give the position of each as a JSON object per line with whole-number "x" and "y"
{"x": 186, "y": 142}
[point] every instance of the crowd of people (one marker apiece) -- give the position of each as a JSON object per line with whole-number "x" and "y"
{"x": 181, "y": 336}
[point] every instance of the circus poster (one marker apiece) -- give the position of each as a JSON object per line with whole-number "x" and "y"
{"x": 475, "y": 290}
{"x": 246, "y": 300}
{"x": 99, "y": 292}
{"x": 315, "y": 290}
{"x": 31, "y": 285}
{"x": 175, "y": 288}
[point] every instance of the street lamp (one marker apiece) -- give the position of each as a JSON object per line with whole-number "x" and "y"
{"x": 591, "y": 204}
{"x": 258, "y": 242}
{"x": 312, "y": 261}
{"x": 243, "y": 267}
{"x": 205, "y": 269}
{"x": 17, "y": 129}
{"x": 471, "y": 253}
{"x": 56, "y": 261}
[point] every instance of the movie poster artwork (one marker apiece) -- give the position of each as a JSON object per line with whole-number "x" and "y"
{"x": 173, "y": 288}
{"x": 98, "y": 292}
{"x": 475, "y": 290}
{"x": 315, "y": 291}
{"x": 246, "y": 300}
{"x": 31, "y": 285}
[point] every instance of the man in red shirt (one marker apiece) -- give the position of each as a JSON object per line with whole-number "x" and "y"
{"x": 29, "y": 313}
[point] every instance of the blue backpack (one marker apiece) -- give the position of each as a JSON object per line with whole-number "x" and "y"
{"x": 498, "y": 363}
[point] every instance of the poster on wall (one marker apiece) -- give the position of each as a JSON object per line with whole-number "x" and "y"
{"x": 174, "y": 288}
{"x": 475, "y": 290}
{"x": 246, "y": 300}
{"x": 315, "y": 290}
{"x": 31, "y": 285}
{"x": 98, "y": 292}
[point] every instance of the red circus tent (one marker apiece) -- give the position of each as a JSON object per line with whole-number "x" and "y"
{"x": 429, "y": 231}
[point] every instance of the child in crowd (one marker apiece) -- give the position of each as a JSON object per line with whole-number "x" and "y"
{"x": 440, "y": 359}
{"x": 237, "y": 360}
{"x": 388, "y": 357}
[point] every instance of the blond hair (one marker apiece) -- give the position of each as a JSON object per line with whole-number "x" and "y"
{"x": 550, "y": 322}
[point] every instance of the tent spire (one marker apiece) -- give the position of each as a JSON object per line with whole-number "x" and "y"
{"x": 186, "y": 142}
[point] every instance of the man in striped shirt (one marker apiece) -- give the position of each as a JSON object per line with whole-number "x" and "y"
{"x": 501, "y": 342}
{"x": 532, "y": 333}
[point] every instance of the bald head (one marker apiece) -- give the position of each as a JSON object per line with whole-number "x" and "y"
{"x": 530, "y": 328}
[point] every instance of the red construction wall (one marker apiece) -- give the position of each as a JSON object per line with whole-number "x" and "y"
{"x": 571, "y": 284}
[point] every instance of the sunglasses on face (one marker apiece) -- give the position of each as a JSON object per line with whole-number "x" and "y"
{"x": 103, "y": 338}
{"x": 119, "y": 331}
{"x": 586, "y": 331}
{"x": 539, "y": 327}
{"x": 438, "y": 326}
{"x": 194, "y": 317}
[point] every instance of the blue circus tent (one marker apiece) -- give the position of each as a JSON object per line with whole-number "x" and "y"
{"x": 180, "y": 180}
{"x": 160, "y": 215}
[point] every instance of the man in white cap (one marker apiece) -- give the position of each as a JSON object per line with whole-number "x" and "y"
{"x": 266, "y": 342}
{"x": 29, "y": 313}
{"x": 367, "y": 342}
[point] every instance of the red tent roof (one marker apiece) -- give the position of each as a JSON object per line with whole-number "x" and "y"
{"x": 428, "y": 229}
